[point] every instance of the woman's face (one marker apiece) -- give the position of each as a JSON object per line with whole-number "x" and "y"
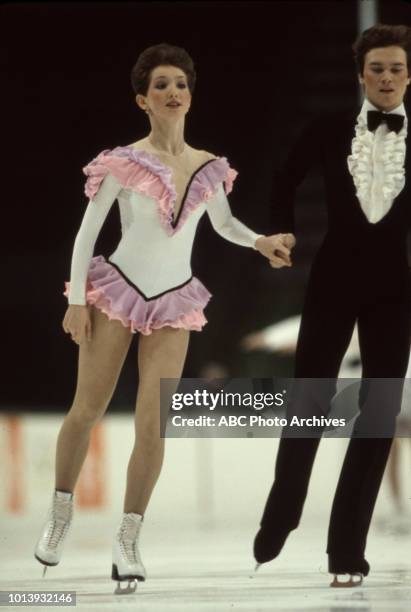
{"x": 168, "y": 96}
{"x": 385, "y": 76}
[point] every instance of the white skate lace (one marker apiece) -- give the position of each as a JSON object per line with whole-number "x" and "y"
{"x": 128, "y": 536}
{"x": 59, "y": 522}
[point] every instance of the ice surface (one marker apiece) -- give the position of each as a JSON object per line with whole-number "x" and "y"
{"x": 209, "y": 569}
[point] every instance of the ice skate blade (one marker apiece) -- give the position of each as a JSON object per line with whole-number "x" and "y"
{"x": 44, "y": 571}
{"x": 347, "y": 584}
{"x": 127, "y": 590}
{"x": 257, "y": 565}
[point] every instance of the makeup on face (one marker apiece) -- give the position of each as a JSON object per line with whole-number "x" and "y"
{"x": 385, "y": 76}
{"x": 168, "y": 90}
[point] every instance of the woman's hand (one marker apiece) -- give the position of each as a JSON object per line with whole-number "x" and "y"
{"x": 77, "y": 323}
{"x": 277, "y": 248}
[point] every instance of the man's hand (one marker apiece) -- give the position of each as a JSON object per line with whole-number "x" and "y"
{"x": 277, "y": 248}
{"x": 288, "y": 240}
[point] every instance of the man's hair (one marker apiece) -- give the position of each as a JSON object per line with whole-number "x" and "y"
{"x": 382, "y": 35}
{"x": 161, "y": 55}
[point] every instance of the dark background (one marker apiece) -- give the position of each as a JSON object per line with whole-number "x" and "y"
{"x": 263, "y": 69}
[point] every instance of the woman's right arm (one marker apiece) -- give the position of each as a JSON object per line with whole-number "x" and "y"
{"x": 76, "y": 320}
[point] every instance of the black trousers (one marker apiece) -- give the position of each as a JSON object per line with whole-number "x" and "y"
{"x": 384, "y": 327}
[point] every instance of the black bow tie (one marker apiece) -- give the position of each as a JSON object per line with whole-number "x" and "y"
{"x": 393, "y": 121}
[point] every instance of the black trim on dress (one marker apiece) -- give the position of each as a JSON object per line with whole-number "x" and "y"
{"x": 147, "y": 299}
{"x": 175, "y": 221}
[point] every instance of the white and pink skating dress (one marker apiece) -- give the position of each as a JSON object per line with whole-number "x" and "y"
{"x": 147, "y": 282}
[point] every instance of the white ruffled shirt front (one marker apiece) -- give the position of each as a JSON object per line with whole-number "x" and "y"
{"x": 376, "y": 163}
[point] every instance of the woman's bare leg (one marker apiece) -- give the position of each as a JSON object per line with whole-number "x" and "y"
{"x": 161, "y": 355}
{"x": 99, "y": 366}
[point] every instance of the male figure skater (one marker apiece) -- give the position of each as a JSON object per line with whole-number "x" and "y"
{"x": 359, "y": 275}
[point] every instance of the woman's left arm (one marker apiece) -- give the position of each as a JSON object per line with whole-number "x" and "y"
{"x": 226, "y": 224}
{"x": 230, "y": 228}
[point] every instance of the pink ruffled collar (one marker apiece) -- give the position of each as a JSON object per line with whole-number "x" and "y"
{"x": 200, "y": 188}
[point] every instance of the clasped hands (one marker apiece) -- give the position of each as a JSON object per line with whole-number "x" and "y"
{"x": 277, "y": 249}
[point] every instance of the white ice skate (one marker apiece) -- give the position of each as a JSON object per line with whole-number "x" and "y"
{"x": 127, "y": 564}
{"x": 50, "y": 544}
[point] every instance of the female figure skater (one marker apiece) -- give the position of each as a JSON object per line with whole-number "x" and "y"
{"x": 163, "y": 187}
{"x": 360, "y": 274}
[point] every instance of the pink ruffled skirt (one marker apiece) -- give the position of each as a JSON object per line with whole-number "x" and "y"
{"x": 108, "y": 290}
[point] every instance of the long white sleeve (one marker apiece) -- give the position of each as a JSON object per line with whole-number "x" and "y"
{"x": 94, "y": 217}
{"x": 225, "y": 224}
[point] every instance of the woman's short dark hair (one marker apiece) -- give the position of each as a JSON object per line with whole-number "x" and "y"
{"x": 382, "y": 35}
{"x": 161, "y": 55}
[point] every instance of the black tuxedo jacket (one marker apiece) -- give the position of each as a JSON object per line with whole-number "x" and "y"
{"x": 327, "y": 141}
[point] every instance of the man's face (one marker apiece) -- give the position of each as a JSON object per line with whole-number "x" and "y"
{"x": 385, "y": 77}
